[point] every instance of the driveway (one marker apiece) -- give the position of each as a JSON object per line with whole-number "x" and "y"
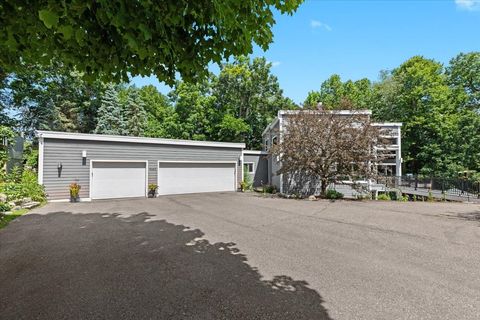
{"x": 241, "y": 256}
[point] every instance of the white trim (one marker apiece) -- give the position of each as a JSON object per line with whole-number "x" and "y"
{"x": 90, "y": 175}
{"x": 40, "y": 160}
{"x": 255, "y": 152}
{"x": 68, "y": 200}
{"x": 253, "y": 166}
{"x": 113, "y": 138}
{"x": 271, "y": 125}
{"x": 235, "y": 166}
{"x": 341, "y": 112}
{"x": 387, "y": 124}
{"x": 241, "y": 168}
{"x": 280, "y": 141}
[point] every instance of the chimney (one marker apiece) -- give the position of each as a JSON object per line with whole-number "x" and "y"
{"x": 320, "y": 106}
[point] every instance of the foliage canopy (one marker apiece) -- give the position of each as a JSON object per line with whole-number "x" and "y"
{"x": 116, "y": 39}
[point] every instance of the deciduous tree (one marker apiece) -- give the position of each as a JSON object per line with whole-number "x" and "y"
{"x": 318, "y": 146}
{"x": 115, "y": 39}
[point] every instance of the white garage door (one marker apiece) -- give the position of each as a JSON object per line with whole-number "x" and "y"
{"x": 178, "y": 178}
{"x": 118, "y": 180}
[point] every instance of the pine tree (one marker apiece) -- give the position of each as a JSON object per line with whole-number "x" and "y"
{"x": 134, "y": 115}
{"x": 110, "y": 113}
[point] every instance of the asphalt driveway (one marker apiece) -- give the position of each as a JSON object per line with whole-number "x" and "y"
{"x": 238, "y": 256}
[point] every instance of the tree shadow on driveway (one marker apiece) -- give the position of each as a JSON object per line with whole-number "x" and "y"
{"x": 102, "y": 266}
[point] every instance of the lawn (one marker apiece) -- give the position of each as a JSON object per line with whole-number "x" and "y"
{"x": 5, "y": 220}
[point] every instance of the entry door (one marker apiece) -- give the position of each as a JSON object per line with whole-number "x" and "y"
{"x": 178, "y": 178}
{"x": 118, "y": 179}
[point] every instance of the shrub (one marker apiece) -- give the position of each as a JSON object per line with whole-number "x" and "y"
{"x": 333, "y": 194}
{"x": 247, "y": 183}
{"x": 268, "y": 188}
{"x": 30, "y": 186}
{"x": 402, "y": 198}
{"x": 384, "y": 197}
{"x": 4, "y": 207}
{"x": 74, "y": 190}
{"x": 18, "y": 185}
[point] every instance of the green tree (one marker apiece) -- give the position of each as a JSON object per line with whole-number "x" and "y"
{"x": 134, "y": 115}
{"x": 110, "y": 120}
{"x": 51, "y": 98}
{"x": 464, "y": 76}
{"x": 416, "y": 93}
{"x": 160, "y": 113}
{"x": 115, "y": 39}
{"x": 246, "y": 89}
{"x": 193, "y": 105}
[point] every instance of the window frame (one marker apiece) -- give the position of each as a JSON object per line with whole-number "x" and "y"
{"x": 248, "y": 163}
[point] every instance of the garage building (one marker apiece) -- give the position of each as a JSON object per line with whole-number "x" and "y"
{"x": 108, "y": 167}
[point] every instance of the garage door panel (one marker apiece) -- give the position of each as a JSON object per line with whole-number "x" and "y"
{"x": 118, "y": 180}
{"x": 179, "y": 178}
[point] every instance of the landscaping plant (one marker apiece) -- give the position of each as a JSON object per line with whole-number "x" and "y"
{"x": 333, "y": 194}
{"x": 74, "y": 191}
{"x": 152, "y": 189}
{"x": 384, "y": 197}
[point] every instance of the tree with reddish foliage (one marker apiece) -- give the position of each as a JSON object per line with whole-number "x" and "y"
{"x": 323, "y": 145}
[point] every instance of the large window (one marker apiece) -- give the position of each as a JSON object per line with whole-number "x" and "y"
{"x": 249, "y": 167}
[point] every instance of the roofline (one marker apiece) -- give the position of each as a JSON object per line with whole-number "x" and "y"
{"x": 115, "y": 138}
{"x": 361, "y": 112}
{"x": 271, "y": 125}
{"x": 260, "y": 152}
{"x": 393, "y": 124}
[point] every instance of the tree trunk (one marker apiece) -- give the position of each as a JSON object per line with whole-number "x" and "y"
{"x": 323, "y": 188}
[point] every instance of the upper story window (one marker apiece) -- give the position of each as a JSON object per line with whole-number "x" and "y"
{"x": 274, "y": 140}
{"x": 266, "y": 145}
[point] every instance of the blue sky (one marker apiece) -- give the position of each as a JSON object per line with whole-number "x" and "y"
{"x": 357, "y": 39}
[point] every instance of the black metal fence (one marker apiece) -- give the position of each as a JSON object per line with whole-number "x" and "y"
{"x": 460, "y": 187}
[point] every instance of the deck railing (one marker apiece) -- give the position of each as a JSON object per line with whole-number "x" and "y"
{"x": 450, "y": 186}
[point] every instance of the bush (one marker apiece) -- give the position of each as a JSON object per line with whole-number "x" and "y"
{"x": 18, "y": 185}
{"x": 4, "y": 207}
{"x": 333, "y": 194}
{"x": 384, "y": 197}
{"x": 268, "y": 188}
{"x": 247, "y": 183}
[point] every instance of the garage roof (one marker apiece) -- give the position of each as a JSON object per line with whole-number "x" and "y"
{"x": 113, "y": 138}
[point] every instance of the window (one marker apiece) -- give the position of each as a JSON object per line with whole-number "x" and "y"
{"x": 266, "y": 145}
{"x": 274, "y": 140}
{"x": 249, "y": 167}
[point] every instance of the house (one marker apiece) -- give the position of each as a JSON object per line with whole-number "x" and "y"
{"x": 255, "y": 163}
{"x": 107, "y": 166}
{"x": 390, "y": 166}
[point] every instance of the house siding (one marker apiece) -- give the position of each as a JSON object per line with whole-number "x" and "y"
{"x": 260, "y": 175}
{"x": 69, "y": 154}
{"x": 273, "y": 164}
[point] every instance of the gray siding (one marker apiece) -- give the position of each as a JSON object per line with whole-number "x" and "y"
{"x": 69, "y": 153}
{"x": 260, "y": 175}
{"x": 273, "y": 164}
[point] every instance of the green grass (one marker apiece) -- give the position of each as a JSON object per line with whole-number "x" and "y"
{"x": 11, "y": 216}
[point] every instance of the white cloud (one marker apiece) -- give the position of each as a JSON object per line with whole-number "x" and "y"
{"x": 470, "y": 5}
{"x": 275, "y": 63}
{"x": 318, "y": 24}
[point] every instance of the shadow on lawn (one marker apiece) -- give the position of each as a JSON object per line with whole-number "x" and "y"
{"x": 64, "y": 265}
